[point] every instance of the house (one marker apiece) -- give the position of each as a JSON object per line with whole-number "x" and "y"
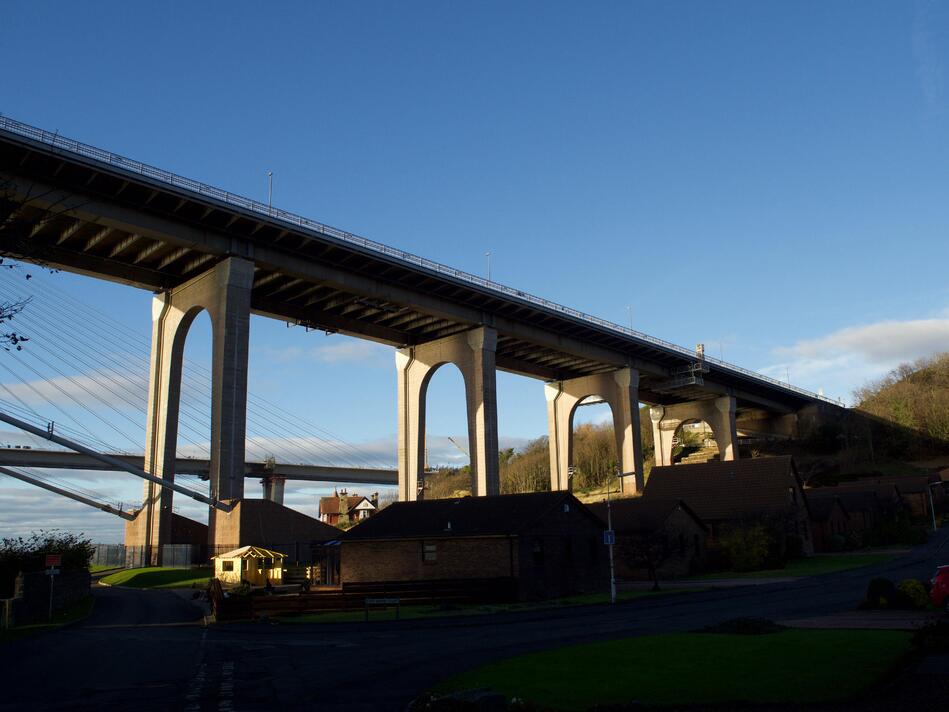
{"x": 869, "y": 505}
{"x": 918, "y": 494}
{"x": 252, "y": 564}
{"x": 830, "y": 522}
{"x": 343, "y": 509}
{"x": 545, "y": 544}
{"x": 663, "y": 534}
{"x": 735, "y": 492}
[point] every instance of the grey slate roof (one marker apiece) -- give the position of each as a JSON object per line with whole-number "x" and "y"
{"x": 731, "y": 489}
{"x": 463, "y": 516}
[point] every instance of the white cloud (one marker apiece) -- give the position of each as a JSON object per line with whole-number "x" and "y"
{"x": 883, "y": 342}
{"x": 351, "y": 351}
{"x": 114, "y": 388}
{"x": 844, "y": 360}
{"x": 342, "y": 350}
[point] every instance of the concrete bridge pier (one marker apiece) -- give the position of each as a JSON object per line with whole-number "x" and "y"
{"x": 224, "y": 291}
{"x": 620, "y": 389}
{"x": 473, "y": 352}
{"x": 718, "y": 413}
{"x": 274, "y": 486}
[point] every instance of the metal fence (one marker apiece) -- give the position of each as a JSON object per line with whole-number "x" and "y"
{"x": 112, "y": 555}
{"x": 137, "y": 167}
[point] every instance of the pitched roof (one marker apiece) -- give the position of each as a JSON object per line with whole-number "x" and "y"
{"x": 467, "y": 516}
{"x": 884, "y": 491}
{"x": 330, "y": 505}
{"x": 730, "y": 489}
{"x": 250, "y": 552}
{"x": 852, "y": 501}
{"x": 638, "y": 515}
{"x": 822, "y": 507}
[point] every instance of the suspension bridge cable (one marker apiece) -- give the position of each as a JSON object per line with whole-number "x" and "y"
{"x": 273, "y": 420}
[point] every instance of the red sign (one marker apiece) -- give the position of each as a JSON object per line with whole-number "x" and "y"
{"x": 54, "y": 559}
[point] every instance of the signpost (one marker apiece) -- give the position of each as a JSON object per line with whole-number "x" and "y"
{"x": 609, "y": 537}
{"x": 53, "y": 562}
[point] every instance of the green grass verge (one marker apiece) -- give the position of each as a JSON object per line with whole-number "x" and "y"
{"x": 76, "y": 613}
{"x": 794, "y": 666}
{"x": 159, "y": 577}
{"x": 96, "y": 568}
{"x": 810, "y": 566}
{"x": 416, "y": 612}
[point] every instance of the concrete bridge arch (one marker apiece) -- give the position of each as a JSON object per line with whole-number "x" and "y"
{"x": 473, "y": 353}
{"x": 618, "y": 389}
{"x": 224, "y": 293}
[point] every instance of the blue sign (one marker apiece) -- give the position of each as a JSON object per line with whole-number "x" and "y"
{"x": 609, "y": 537}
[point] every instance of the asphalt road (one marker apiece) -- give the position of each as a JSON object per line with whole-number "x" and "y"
{"x": 144, "y": 649}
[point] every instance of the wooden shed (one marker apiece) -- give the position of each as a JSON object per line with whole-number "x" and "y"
{"x": 252, "y": 564}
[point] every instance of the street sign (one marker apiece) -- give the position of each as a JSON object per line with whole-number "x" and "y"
{"x": 52, "y": 572}
{"x": 609, "y": 537}
{"x": 54, "y": 560}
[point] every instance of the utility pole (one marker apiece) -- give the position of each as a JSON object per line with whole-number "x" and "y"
{"x": 610, "y": 536}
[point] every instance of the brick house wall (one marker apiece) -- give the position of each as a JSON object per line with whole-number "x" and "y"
{"x": 560, "y": 554}
{"x": 823, "y": 532}
{"x": 405, "y": 559}
{"x": 563, "y": 555}
{"x": 685, "y": 550}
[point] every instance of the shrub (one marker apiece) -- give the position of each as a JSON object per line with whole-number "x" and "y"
{"x": 746, "y": 547}
{"x": 29, "y": 554}
{"x": 880, "y": 592}
{"x": 915, "y": 593}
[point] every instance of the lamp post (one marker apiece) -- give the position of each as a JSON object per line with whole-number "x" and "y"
{"x": 610, "y": 535}
{"x": 270, "y": 192}
{"x": 488, "y": 256}
{"x": 932, "y": 507}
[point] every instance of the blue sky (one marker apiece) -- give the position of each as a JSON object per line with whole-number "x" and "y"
{"x": 769, "y": 179}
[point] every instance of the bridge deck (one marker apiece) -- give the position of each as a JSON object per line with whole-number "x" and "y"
{"x": 90, "y": 211}
{"x": 59, "y": 459}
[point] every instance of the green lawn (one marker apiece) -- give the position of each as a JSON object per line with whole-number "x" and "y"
{"x": 96, "y": 568}
{"x": 159, "y": 577}
{"x": 810, "y": 566}
{"x": 794, "y": 666}
{"x": 414, "y": 612}
{"x": 70, "y": 615}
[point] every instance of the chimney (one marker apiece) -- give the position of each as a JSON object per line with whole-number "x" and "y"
{"x": 375, "y": 499}
{"x": 343, "y": 508}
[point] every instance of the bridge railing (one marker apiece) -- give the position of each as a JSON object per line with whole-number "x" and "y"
{"x": 55, "y": 140}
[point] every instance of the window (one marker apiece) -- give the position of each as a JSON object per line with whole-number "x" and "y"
{"x": 227, "y": 566}
{"x": 429, "y": 552}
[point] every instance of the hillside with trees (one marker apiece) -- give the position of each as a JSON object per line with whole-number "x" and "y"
{"x": 527, "y": 469}
{"x": 913, "y": 400}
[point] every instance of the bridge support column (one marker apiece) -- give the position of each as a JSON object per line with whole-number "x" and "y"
{"x": 224, "y": 291}
{"x": 473, "y": 352}
{"x": 718, "y": 413}
{"x": 620, "y": 389}
{"x": 274, "y": 488}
